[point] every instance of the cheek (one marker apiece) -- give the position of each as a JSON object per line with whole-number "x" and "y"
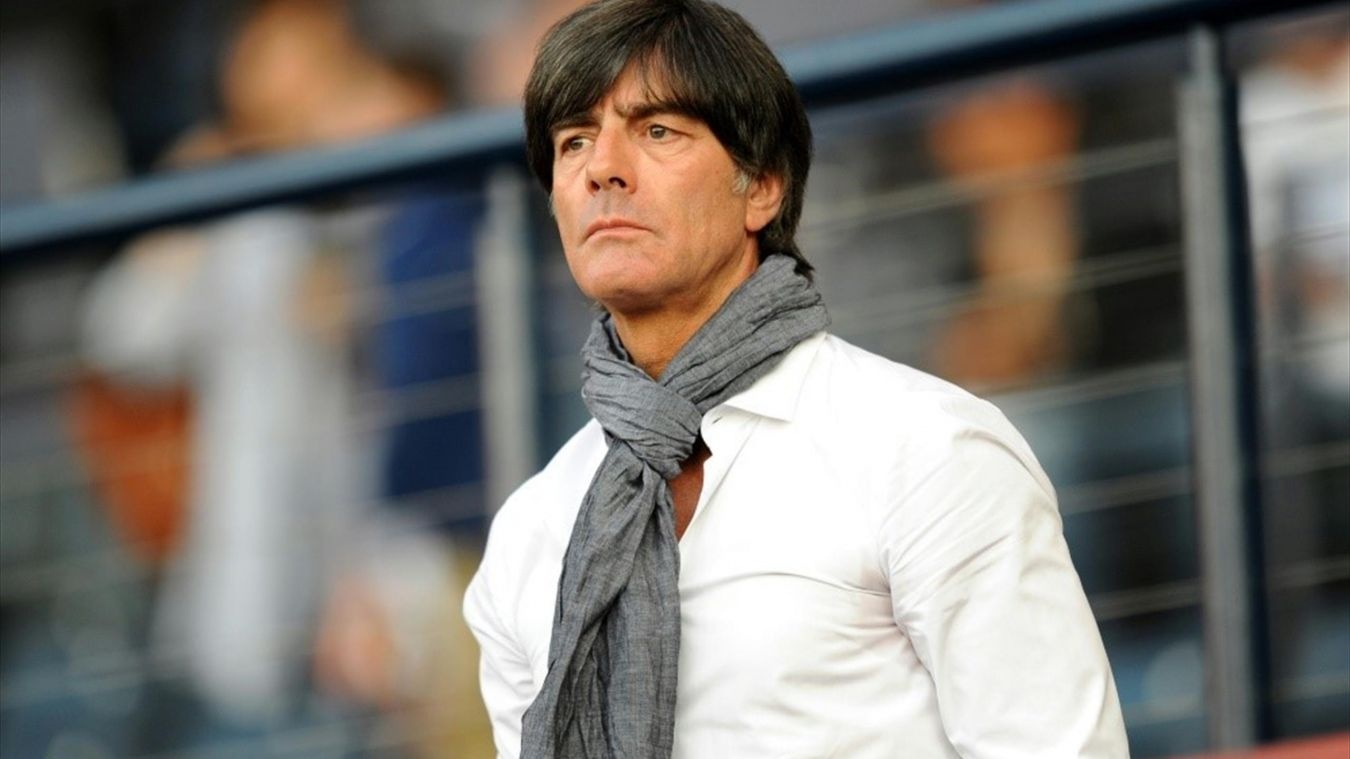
{"x": 717, "y": 218}
{"x": 564, "y": 213}
{"x": 705, "y": 206}
{"x": 566, "y": 226}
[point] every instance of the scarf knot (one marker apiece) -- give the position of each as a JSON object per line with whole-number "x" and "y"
{"x": 655, "y": 421}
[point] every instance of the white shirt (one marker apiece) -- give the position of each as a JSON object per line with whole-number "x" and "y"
{"x": 875, "y": 568}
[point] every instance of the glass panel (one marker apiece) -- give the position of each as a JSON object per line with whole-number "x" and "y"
{"x": 1295, "y": 98}
{"x": 1158, "y": 659}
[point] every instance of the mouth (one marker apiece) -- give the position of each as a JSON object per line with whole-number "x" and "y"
{"x": 612, "y": 225}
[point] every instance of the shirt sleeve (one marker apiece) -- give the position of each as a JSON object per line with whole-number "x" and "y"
{"x": 982, "y": 583}
{"x": 504, "y": 670}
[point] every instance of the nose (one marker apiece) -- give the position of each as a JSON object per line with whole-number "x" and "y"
{"x": 610, "y": 164}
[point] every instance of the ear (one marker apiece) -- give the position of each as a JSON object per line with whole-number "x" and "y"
{"x": 764, "y": 198}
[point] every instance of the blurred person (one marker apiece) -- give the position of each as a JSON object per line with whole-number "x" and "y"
{"x": 1022, "y": 326}
{"x": 250, "y": 310}
{"x": 1012, "y": 329}
{"x": 704, "y": 604}
{"x": 500, "y": 62}
{"x": 1295, "y": 108}
{"x": 1295, "y": 111}
{"x": 264, "y": 440}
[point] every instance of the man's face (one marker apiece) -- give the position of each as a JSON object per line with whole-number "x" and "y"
{"x": 652, "y": 211}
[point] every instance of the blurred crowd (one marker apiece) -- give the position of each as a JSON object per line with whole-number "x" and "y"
{"x": 275, "y": 417}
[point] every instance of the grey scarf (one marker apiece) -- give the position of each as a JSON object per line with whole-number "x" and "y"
{"x": 610, "y": 689}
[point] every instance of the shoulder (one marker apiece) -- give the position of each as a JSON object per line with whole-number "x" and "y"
{"x": 907, "y": 422}
{"x": 845, "y": 362}
{"x": 940, "y": 472}
{"x": 553, "y": 495}
{"x": 856, "y": 385}
{"x": 529, "y": 534}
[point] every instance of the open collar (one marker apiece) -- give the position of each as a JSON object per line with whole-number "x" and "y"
{"x": 775, "y": 394}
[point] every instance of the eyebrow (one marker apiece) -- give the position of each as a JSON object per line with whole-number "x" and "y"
{"x": 585, "y": 118}
{"x": 645, "y": 109}
{"x": 629, "y": 111}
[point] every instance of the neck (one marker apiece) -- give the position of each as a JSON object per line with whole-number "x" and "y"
{"x": 652, "y": 342}
{"x": 654, "y": 337}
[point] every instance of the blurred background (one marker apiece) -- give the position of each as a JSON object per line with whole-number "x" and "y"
{"x": 248, "y": 458}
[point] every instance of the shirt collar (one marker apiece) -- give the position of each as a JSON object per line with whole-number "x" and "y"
{"x": 775, "y": 394}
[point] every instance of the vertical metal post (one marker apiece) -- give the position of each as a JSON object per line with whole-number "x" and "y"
{"x": 1223, "y": 390}
{"x": 505, "y": 341}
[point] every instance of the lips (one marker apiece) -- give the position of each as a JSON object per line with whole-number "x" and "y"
{"x": 601, "y": 225}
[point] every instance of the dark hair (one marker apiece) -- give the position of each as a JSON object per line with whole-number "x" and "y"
{"x": 708, "y": 63}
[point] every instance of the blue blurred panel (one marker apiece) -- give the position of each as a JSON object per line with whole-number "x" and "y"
{"x": 1134, "y": 545}
{"x": 1157, "y": 659}
{"x": 430, "y": 335}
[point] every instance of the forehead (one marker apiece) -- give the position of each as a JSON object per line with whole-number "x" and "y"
{"x": 638, "y": 89}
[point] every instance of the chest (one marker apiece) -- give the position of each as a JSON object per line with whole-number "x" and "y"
{"x": 780, "y": 556}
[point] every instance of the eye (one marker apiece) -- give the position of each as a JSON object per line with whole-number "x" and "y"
{"x": 571, "y": 144}
{"x": 658, "y": 132}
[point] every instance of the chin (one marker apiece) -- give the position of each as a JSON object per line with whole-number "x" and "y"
{"x": 626, "y": 295}
{"x": 617, "y": 276}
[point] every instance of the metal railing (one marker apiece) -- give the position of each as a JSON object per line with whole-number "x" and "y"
{"x": 843, "y": 69}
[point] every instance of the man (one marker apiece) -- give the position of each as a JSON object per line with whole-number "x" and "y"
{"x": 768, "y": 543}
